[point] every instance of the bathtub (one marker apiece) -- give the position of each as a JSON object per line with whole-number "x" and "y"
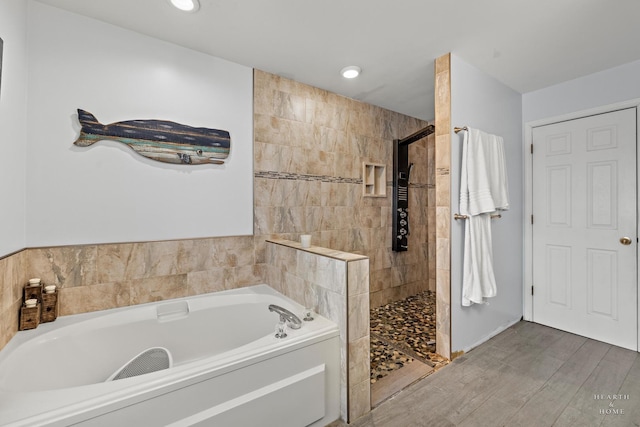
{"x": 228, "y": 367}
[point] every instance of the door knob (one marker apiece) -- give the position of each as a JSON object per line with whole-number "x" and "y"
{"x": 625, "y": 240}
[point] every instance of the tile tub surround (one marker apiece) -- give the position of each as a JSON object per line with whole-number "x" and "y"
{"x": 13, "y": 277}
{"x": 336, "y": 284}
{"x": 99, "y": 277}
{"x": 309, "y": 145}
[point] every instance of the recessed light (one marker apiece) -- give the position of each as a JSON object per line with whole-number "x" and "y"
{"x": 350, "y": 72}
{"x": 186, "y": 5}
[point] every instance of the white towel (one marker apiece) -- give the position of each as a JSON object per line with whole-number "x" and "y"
{"x": 483, "y": 182}
{"x": 478, "y": 280}
{"x": 483, "y": 190}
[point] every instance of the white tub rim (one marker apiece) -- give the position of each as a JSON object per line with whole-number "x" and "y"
{"x": 115, "y": 394}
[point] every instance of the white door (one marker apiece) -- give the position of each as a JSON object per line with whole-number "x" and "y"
{"x": 584, "y": 209}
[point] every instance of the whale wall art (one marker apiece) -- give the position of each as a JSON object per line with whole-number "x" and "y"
{"x": 159, "y": 140}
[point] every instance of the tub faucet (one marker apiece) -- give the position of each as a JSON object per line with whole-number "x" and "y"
{"x": 291, "y": 319}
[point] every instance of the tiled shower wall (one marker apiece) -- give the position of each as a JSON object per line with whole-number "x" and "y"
{"x": 308, "y": 153}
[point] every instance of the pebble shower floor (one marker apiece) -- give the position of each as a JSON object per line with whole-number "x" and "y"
{"x": 404, "y": 331}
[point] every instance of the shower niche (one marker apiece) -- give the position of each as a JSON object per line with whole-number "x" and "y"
{"x": 374, "y": 180}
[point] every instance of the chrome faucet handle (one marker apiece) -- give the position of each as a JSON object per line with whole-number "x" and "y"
{"x": 291, "y": 319}
{"x": 281, "y": 329}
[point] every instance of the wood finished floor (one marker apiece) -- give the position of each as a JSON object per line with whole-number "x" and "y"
{"x": 529, "y": 375}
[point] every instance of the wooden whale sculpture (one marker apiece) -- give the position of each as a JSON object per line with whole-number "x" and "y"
{"x": 159, "y": 140}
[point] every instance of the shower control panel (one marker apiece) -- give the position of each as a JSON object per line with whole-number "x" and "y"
{"x": 401, "y": 174}
{"x": 400, "y": 220}
{"x": 401, "y": 223}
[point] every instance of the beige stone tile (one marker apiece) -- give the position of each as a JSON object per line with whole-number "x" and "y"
{"x": 443, "y": 344}
{"x": 431, "y": 219}
{"x": 120, "y": 262}
{"x": 376, "y": 299}
{"x": 369, "y": 217}
{"x": 158, "y": 288}
{"x": 443, "y": 63}
{"x": 264, "y": 220}
{"x": 260, "y": 248}
{"x": 358, "y": 277}
{"x": 443, "y": 254}
{"x": 443, "y": 124}
{"x": 289, "y": 106}
{"x": 442, "y": 222}
{"x": 359, "y": 360}
{"x": 188, "y": 255}
{"x": 273, "y": 278}
{"x": 306, "y": 264}
{"x": 359, "y": 400}
{"x": 9, "y": 318}
{"x": 358, "y": 316}
{"x": 382, "y": 258}
{"x": 312, "y": 220}
{"x": 268, "y": 192}
{"x": 83, "y": 299}
{"x": 263, "y": 99}
{"x": 443, "y": 286}
{"x": 347, "y": 166}
{"x": 249, "y": 275}
{"x": 65, "y": 266}
{"x": 380, "y": 279}
{"x": 11, "y": 281}
{"x": 231, "y": 252}
{"x": 443, "y": 190}
{"x": 6, "y": 286}
{"x": 294, "y": 287}
{"x": 214, "y": 280}
{"x": 161, "y": 258}
{"x": 330, "y": 274}
{"x": 333, "y": 306}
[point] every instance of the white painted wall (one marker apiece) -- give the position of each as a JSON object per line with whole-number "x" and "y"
{"x": 106, "y": 192}
{"x": 13, "y": 114}
{"x": 480, "y": 101}
{"x": 595, "y": 90}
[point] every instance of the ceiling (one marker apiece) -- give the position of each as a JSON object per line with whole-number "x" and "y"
{"x": 527, "y": 45}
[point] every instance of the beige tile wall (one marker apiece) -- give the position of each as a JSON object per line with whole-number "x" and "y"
{"x": 99, "y": 277}
{"x": 309, "y": 148}
{"x": 336, "y": 284}
{"x": 13, "y": 274}
{"x": 443, "y": 204}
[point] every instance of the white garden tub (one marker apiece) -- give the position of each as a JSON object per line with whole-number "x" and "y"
{"x": 228, "y": 367}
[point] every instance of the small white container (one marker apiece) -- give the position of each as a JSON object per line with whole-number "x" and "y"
{"x": 49, "y": 289}
{"x": 32, "y": 302}
{"x": 305, "y": 240}
{"x": 35, "y": 281}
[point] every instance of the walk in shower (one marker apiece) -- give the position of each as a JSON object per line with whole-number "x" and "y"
{"x": 403, "y": 316}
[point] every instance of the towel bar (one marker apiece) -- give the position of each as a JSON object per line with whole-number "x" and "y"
{"x": 459, "y": 216}
{"x": 458, "y": 130}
